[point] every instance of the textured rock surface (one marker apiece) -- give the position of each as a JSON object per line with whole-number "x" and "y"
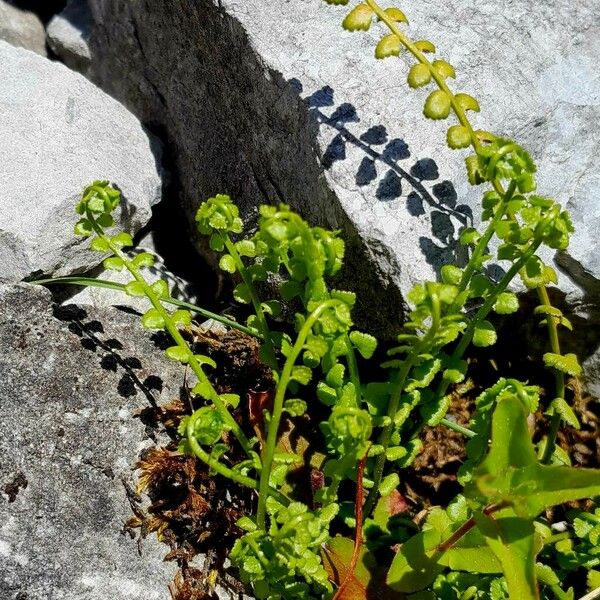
{"x": 68, "y": 34}
{"x": 68, "y": 389}
{"x": 22, "y": 28}
{"x": 356, "y": 151}
{"x": 59, "y": 132}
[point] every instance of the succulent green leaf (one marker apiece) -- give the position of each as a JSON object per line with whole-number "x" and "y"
{"x": 152, "y": 319}
{"x": 443, "y": 68}
{"x": 122, "y": 240}
{"x": 143, "y": 259}
{"x": 178, "y": 353}
{"x": 467, "y": 102}
{"x": 227, "y": 263}
{"x": 301, "y": 374}
{"x": 295, "y": 407}
{"x": 425, "y": 46}
{"x": 437, "y": 105}
{"x": 359, "y": 18}
{"x": 484, "y": 335}
{"x": 566, "y": 363}
{"x": 241, "y": 294}
{"x": 135, "y": 289}
{"x": 100, "y": 245}
{"x": 396, "y": 15}
{"x": 458, "y": 137}
{"x": 161, "y": 288}
{"x": 182, "y": 318}
{"x": 83, "y": 227}
{"x": 560, "y": 406}
{"x": 419, "y": 75}
{"x": 364, "y": 343}
{"x": 506, "y": 303}
{"x": 389, "y": 45}
{"x": 114, "y": 263}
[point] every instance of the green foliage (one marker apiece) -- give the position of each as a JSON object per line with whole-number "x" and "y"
{"x": 490, "y": 542}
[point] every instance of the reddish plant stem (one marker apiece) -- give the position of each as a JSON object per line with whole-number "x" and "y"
{"x": 467, "y": 526}
{"x": 358, "y": 517}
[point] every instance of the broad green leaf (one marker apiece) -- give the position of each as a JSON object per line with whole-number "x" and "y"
{"x": 241, "y": 294}
{"x": 389, "y": 45}
{"x": 419, "y": 75}
{"x": 416, "y": 565}
{"x": 484, "y": 334}
{"x": 510, "y": 472}
{"x": 566, "y": 363}
{"x": 512, "y": 540}
{"x": 437, "y": 105}
{"x": 476, "y": 559}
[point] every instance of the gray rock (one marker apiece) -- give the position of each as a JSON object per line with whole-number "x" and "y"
{"x": 22, "y": 28}
{"x": 68, "y": 34}
{"x": 59, "y": 132}
{"x": 70, "y": 384}
{"x": 293, "y": 108}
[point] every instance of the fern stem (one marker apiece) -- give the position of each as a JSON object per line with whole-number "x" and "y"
{"x": 273, "y": 425}
{"x": 113, "y": 285}
{"x": 558, "y": 376}
{"x": 175, "y": 335}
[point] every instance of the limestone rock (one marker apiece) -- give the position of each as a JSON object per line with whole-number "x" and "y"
{"x": 71, "y": 382}
{"x": 59, "y": 133}
{"x": 295, "y": 109}
{"x": 21, "y": 28}
{"x": 68, "y": 34}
